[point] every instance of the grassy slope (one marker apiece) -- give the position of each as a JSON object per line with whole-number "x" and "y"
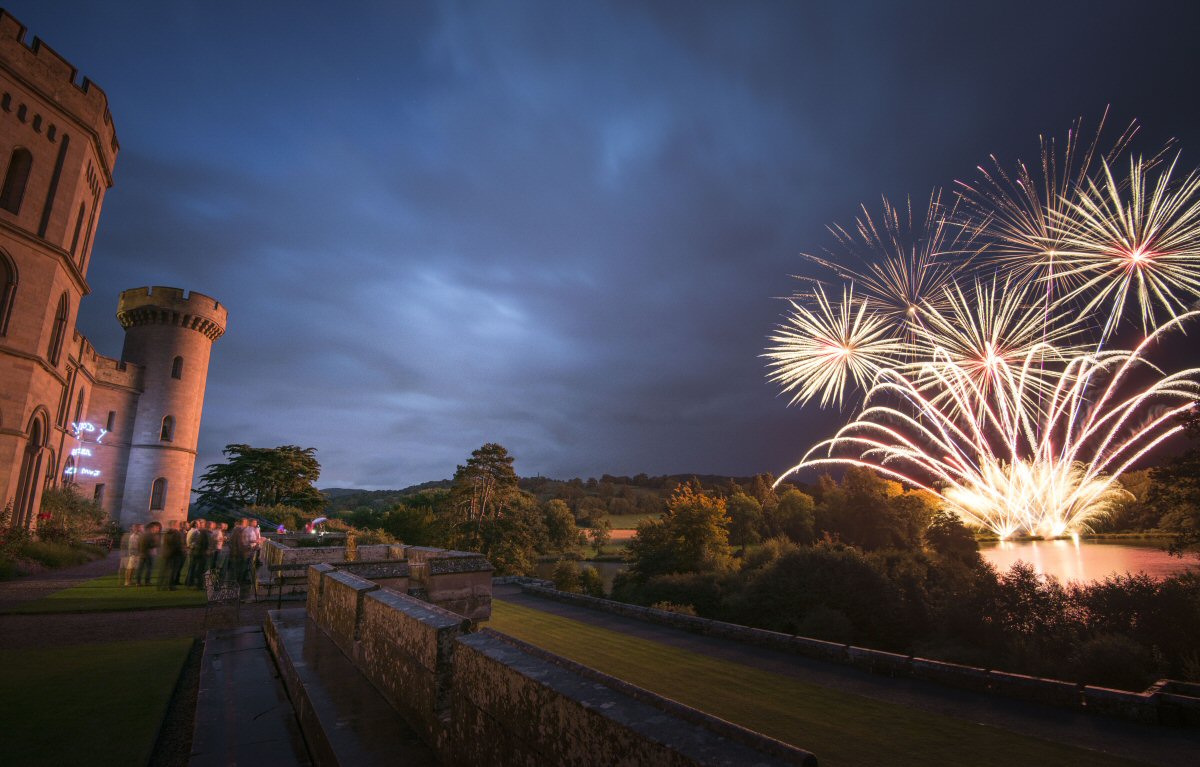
{"x": 840, "y": 728}
{"x": 93, "y": 704}
{"x": 106, "y": 593}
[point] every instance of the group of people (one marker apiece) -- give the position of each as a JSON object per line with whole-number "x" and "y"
{"x": 182, "y": 552}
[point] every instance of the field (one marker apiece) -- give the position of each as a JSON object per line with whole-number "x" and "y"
{"x": 840, "y": 728}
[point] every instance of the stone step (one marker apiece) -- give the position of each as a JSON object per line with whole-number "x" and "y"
{"x": 243, "y": 715}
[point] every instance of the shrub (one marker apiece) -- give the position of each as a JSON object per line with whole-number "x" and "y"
{"x": 67, "y": 516}
{"x": 671, "y": 607}
{"x": 567, "y": 576}
{"x": 57, "y": 554}
{"x": 823, "y": 622}
{"x": 1115, "y": 660}
{"x": 591, "y": 582}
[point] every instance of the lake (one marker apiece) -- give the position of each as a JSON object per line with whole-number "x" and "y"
{"x": 1070, "y": 560}
{"x": 1066, "y": 560}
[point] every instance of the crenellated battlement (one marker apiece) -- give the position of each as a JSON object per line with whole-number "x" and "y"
{"x": 160, "y": 305}
{"x": 42, "y": 69}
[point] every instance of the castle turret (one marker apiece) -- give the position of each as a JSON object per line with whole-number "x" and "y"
{"x": 57, "y": 150}
{"x": 169, "y": 333}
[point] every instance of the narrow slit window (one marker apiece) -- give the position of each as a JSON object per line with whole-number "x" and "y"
{"x": 60, "y": 329}
{"x": 177, "y": 368}
{"x": 168, "y": 429}
{"x": 158, "y": 494}
{"x": 78, "y": 229}
{"x": 112, "y": 420}
{"x": 15, "y": 180}
{"x": 8, "y": 291}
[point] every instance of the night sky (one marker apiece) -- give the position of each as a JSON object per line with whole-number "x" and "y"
{"x": 558, "y": 226}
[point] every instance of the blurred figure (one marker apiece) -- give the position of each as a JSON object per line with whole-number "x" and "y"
{"x": 147, "y": 548}
{"x": 216, "y": 546}
{"x": 171, "y": 556}
{"x": 236, "y": 541}
{"x": 253, "y": 541}
{"x": 197, "y": 553}
{"x": 129, "y": 554}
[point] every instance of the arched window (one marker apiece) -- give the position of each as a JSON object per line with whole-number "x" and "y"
{"x": 177, "y": 368}
{"x": 15, "y": 179}
{"x": 168, "y": 429}
{"x": 158, "y": 494}
{"x": 60, "y": 329}
{"x": 8, "y": 290}
{"x": 69, "y": 471}
{"x": 79, "y": 405}
{"x": 30, "y": 474}
{"x": 78, "y": 229}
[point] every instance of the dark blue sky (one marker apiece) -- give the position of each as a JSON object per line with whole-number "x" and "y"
{"x": 557, "y": 226}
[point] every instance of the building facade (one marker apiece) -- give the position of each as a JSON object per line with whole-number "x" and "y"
{"x": 123, "y": 431}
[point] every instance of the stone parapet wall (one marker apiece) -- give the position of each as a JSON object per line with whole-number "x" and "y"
{"x": 459, "y": 581}
{"x": 484, "y": 698}
{"x": 1168, "y": 702}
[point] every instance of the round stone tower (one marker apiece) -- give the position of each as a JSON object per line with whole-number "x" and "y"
{"x": 169, "y": 334}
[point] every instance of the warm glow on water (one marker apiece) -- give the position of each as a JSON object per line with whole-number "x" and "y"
{"x": 1070, "y": 560}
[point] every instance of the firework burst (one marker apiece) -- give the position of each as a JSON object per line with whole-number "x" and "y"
{"x": 901, "y": 263}
{"x": 1002, "y": 464}
{"x": 986, "y": 379}
{"x": 1135, "y": 241}
{"x": 819, "y": 348}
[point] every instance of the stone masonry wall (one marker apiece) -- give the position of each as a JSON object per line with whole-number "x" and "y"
{"x": 483, "y": 699}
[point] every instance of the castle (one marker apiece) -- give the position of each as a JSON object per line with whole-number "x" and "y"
{"x": 122, "y": 431}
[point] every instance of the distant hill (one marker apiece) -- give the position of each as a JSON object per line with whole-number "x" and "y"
{"x": 639, "y": 494}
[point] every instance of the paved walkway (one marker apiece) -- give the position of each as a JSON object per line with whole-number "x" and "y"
{"x": 1164, "y": 746}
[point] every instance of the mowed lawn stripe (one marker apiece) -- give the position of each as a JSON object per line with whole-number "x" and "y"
{"x": 105, "y": 594}
{"x": 840, "y": 728}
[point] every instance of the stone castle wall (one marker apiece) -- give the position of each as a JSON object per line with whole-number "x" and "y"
{"x": 59, "y": 126}
{"x": 484, "y": 698}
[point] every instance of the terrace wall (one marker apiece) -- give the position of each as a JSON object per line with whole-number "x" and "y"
{"x": 484, "y": 698}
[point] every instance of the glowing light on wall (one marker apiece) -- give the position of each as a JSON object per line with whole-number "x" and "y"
{"x": 81, "y": 428}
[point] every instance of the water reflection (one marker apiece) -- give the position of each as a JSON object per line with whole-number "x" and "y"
{"x": 1075, "y": 560}
{"x": 1068, "y": 559}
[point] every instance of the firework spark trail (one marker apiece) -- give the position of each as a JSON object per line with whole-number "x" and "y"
{"x": 986, "y": 382}
{"x": 1001, "y": 470}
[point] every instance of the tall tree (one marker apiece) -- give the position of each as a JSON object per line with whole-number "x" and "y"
{"x": 263, "y": 476}
{"x": 1175, "y": 492}
{"x": 692, "y": 536}
{"x": 486, "y": 486}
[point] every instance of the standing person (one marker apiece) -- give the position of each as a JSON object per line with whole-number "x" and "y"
{"x": 171, "y": 556}
{"x": 147, "y": 548}
{"x": 126, "y": 542}
{"x": 130, "y": 556}
{"x": 236, "y": 541}
{"x": 197, "y": 558}
{"x": 216, "y": 543}
{"x": 253, "y": 540}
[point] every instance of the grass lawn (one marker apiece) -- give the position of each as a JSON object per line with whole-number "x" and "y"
{"x": 91, "y": 704}
{"x": 629, "y": 521}
{"x": 840, "y": 728}
{"x": 106, "y": 593}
